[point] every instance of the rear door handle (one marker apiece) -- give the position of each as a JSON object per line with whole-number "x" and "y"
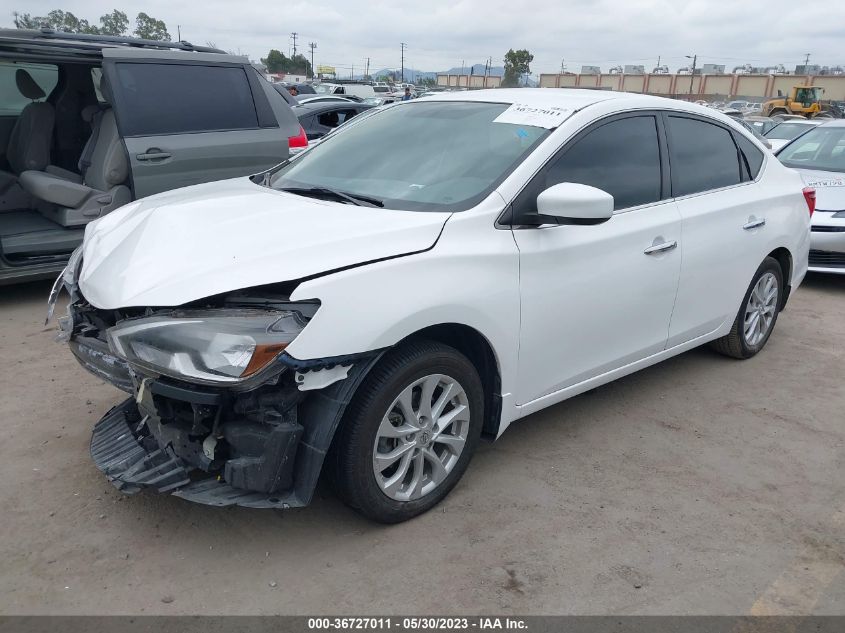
{"x": 660, "y": 248}
{"x": 753, "y": 224}
{"x": 153, "y": 154}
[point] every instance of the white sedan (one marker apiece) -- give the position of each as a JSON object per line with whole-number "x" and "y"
{"x": 819, "y": 156}
{"x": 420, "y": 280}
{"x": 783, "y": 133}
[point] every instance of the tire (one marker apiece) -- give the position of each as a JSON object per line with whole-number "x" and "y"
{"x": 376, "y": 412}
{"x": 738, "y": 343}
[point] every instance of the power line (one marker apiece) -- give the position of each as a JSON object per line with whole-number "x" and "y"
{"x": 293, "y": 37}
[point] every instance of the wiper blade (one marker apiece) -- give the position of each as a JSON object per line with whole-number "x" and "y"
{"x": 353, "y": 198}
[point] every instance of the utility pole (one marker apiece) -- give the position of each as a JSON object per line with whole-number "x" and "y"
{"x": 692, "y": 73}
{"x": 178, "y": 33}
{"x": 367, "y": 72}
{"x": 352, "y": 72}
{"x": 404, "y": 46}
{"x": 293, "y": 37}
{"x": 312, "y": 46}
{"x": 807, "y": 61}
{"x": 562, "y": 65}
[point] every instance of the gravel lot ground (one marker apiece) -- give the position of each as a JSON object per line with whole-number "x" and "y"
{"x": 703, "y": 485}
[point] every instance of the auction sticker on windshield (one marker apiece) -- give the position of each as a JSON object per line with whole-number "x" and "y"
{"x": 522, "y": 114}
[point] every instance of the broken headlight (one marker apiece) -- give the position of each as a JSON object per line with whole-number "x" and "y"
{"x": 210, "y": 346}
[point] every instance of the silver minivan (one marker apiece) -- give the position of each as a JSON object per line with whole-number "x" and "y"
{"x": 89, "y": 123}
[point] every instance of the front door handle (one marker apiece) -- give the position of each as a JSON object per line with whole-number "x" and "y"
{"x": 660, "y": 248}
{"x": 753, "y": 224}
{"x": 153, "y": 153}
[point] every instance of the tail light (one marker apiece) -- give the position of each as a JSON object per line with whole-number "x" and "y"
{"x": 810, "y": 197}
{"x": 300, "y": 141}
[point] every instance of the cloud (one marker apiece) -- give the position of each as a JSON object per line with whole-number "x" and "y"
{"x": 441, "y": 34}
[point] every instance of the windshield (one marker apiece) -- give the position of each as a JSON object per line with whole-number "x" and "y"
{"x": 822, "y": 148}
{"x": 787, "y": 131}
{"x": 429, "y": 156}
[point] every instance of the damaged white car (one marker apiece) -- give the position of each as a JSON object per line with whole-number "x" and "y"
{"x": 420, "y": 280}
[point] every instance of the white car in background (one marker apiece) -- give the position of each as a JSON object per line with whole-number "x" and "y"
{"x": 819, "y": 156}
{"x": 422, "y": 278}
{"x": 783, "y": 133}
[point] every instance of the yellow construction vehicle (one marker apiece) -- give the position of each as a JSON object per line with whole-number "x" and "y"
{"x": 803, "y": 100}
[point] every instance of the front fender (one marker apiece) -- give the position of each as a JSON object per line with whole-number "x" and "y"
{"x": 470, "y": 277}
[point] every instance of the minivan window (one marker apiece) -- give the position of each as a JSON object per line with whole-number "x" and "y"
{"x": 12, "y": 102}
{"x": 419, "y": 156}
{"x": 621, "y": 157}
{"x": 179, "y": 98}
{"x": 703, "y": 156}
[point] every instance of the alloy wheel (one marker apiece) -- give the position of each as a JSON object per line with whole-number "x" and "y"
{"x": 761, "y": 309}
{"x": 421, "y": 437}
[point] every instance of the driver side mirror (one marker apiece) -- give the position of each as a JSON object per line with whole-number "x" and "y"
{"x": 572, "y": 203}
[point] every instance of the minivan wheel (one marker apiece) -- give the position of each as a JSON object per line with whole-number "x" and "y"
{"x": 757, "y": 317}
{"x": 409, "y": 433}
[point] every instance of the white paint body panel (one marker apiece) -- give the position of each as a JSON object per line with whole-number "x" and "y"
{"x": 564, "y": 309}
{"x": 592, "y": 301}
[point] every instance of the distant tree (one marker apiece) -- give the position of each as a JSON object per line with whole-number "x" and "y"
{"x": 275, "y": 61}
{"x": 278, "y": 62}
{"x": 517, "y": 63}
{"x": 59, "y": 20}
{"x": 27, "y": 21}
{"x": 299, "y": 65}
{"x": 114, "y": 23}
{"x": 148, "y": 28}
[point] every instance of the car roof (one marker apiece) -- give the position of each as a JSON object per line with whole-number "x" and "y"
{"x": 307, "y": 108}
{"x": 803, "y": 121}
{"x": 573, "y": 98}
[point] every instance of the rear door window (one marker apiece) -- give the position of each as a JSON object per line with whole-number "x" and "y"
{"x": 703, "y": 156}
{"x": 334, "y": 118}
{"x": 12, "y": 102}
{"x": 181, "y": 98}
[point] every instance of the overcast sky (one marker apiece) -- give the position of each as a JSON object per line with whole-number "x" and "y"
{"x": 440, "y": 34}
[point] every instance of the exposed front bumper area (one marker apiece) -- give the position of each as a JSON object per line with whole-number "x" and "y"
{"x": 132, "y": 462}
{"x": 262, "y": 448}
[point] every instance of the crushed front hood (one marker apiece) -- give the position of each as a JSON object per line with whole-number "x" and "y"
{"x": 204, "y": 240}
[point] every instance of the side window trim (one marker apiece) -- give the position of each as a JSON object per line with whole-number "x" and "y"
{"x": 690, "y": 115}
{"x": 507, "y": 217}
{"x": 263, "y": 111}
{"x": 745, "y": 160}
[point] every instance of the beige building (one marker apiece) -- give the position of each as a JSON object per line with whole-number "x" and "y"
{"x": 468, "y": 81}
{"x": 700, "y": 86}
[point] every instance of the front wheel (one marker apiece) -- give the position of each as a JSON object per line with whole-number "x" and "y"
{"x": 409, "y": 432}
{"x": 757, "y": 317}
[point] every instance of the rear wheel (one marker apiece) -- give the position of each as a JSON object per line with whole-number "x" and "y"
{"x": 758, "y": 314}
{"x": 409, "y": 433}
